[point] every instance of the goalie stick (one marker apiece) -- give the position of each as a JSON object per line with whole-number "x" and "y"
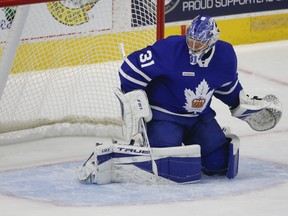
{"x": 127, "y": 116}
{"x": 142, "y": 122}
{"x": 146, "y": 140}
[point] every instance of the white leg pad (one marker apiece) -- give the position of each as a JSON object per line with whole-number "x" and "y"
{"x": 124, "y": 163}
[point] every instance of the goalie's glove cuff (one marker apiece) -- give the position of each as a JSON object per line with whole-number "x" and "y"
{"x": 248, "y": 106}
{"x": 260, "y": 113}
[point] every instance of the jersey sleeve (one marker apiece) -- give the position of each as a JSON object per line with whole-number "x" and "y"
{"x": 228, "y": 92}
{"x": 136, "y": 70}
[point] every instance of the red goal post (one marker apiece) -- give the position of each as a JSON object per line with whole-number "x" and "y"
{"x": 59, "y": 63}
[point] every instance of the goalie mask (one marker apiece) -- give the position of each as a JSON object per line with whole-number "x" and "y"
{"x": 201, "y": 36}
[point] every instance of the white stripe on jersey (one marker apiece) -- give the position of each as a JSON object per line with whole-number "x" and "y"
{"x": 131, "y": 79}
{"x": 137, "y": 70}
{"x": 172, "y": 113}
{"x": 227, "y": 92}
{"x": 226, "y": 84}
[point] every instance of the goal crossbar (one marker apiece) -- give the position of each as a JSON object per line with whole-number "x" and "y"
{"x": 7, "y": 3}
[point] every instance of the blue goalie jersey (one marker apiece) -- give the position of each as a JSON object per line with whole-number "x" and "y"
{"x": 176, "y": 87}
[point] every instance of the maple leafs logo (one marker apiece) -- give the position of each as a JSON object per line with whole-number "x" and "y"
{"x": 197, "y": 102}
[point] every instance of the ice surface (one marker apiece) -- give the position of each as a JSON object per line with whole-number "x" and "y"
{"x": 58, "y": 184}
{"x": 38, "y": 178}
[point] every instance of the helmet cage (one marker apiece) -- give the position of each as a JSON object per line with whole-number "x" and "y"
{"x": 196, "y": 46}
{"x": 202, "y": 34}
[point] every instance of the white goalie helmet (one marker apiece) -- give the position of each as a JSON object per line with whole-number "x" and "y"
{"x": 201, "y": 35}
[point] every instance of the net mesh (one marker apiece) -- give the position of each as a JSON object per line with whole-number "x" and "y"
{"x": 67, "y": 61}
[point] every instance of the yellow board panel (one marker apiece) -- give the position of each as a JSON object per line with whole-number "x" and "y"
{"x": 248, "y": 30}
{"x": 80, "y": 51}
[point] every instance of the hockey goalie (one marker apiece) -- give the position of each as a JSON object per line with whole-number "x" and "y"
{"x": 170, "y": 131}
{"x": 137, "y": 161}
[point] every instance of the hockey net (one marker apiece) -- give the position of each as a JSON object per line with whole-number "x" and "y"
{"x": 61, "y": 61}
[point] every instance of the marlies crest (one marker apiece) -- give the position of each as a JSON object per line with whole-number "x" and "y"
{"x": 197, "y": 102}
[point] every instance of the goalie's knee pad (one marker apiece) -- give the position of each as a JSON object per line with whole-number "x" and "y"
{"x": 223, "y": 160}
